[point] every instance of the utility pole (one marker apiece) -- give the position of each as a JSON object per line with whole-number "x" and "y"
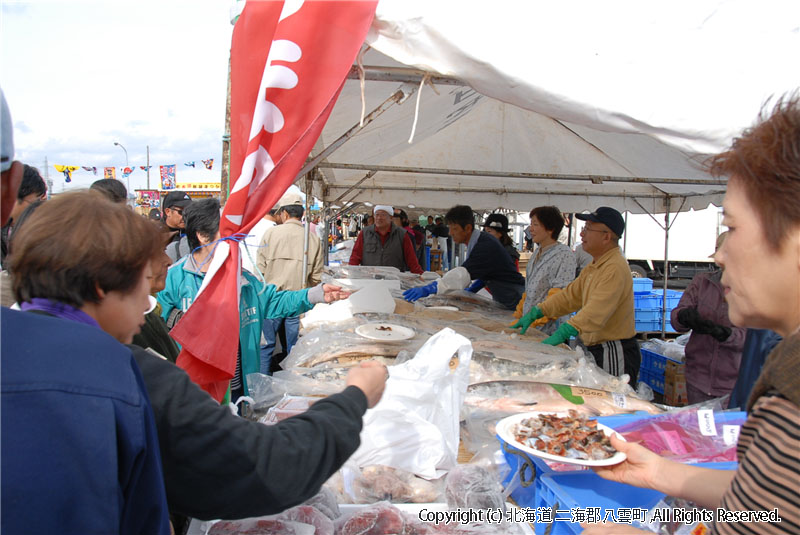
{"x": 47, "y": 179}
{"x": 148, "y": 166}
{"x": 224, "y": 184}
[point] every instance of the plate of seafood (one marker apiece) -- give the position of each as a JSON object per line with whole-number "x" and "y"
{"x": 564, "y": 437}
{"x": 384, "y": 331}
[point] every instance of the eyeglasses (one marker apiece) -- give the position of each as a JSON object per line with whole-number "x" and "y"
{"x": 593, "y": 230}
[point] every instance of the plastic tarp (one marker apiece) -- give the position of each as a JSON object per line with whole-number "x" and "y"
{"x": 591, "y": 104}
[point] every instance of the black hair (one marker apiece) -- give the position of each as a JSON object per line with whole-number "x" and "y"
{"x": 32, "y": 182}
{"x": 112, "y": 188}
{"x": 402, "y": 215}
{"x": 26, "y": 213}
{"x": 294, "y": 210}
{"x": 460, "y": 215}
{"x": 201, "y": 218}
{"x": 551, "y": 219}
{"x": 438, "y": 219}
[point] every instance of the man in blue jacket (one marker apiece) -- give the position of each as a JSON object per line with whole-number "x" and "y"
{"x": 487, "y": 264}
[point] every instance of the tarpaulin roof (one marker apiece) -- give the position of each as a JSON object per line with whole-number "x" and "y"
{"x": 572, "y": 105}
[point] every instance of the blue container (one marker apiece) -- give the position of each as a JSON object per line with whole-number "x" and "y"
{"x": 654, "y": 361}
{"x": 648, "y": 326}
{"x": 642, "y": 285}
{"x": 654, "y": 379}
{"x": 562, "y": 492}
{"x": 647, "y": 301}
{"x": 650, "y": 314}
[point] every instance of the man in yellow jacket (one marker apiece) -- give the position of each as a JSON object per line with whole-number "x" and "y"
{"x": 603, "y": 295}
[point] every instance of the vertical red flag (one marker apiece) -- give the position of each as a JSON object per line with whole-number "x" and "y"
{"x": 289, "y": 61}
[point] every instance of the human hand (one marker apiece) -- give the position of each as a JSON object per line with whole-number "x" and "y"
{"x": 641, "y": 468}
{"x": 689, "y": 317}
{"x": 333, "y": 293}
{"x": 525, "y": 321}
{"x": 720, "y": 332}
{"x": 419, "y": 292}
{"x": 370, "y": 377}
{"x": 608, "y": 528}
{"x": 476, "y": 286}
{"x": 564, "y": 332}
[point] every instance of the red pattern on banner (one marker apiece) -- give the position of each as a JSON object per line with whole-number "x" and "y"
{"x": 286, "y": 92}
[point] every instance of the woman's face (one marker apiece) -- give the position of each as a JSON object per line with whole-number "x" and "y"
{"x": 122, "y": 314}
{"x": 496, "y": 233}
{"x": 538, "y": 232}
{"x": 762, "y": 286}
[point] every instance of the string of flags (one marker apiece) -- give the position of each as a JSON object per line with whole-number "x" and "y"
{"x": 167, "y": 172}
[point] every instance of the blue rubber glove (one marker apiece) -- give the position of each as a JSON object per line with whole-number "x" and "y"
{"x": 476, "y": 286}
{"x": 419, "y": 292}
{"x": 525, "y": 321}
{"x": 562, "y": 334}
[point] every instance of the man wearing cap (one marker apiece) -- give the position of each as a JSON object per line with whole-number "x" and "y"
{"x": 603, "y": 296}
{"x": 173, "y": 206}
{"x": 714, "y": 350}
{"x": 385, "y": 244}
{"x": 280, "y": 260}
{"x": 487, "y": 263}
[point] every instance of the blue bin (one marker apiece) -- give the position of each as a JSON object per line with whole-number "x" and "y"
{"x": 642, "y": 285}
{"x": 562, "y": 492}
{"x": 653, "y": 379}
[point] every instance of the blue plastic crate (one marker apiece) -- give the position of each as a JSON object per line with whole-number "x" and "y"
{"x": 654, "y": 379}
{"x": 648, "y": 326}
{"x": 673, "y": 297}
{"x": 647, "y": 301}
{"x": 579, "y": 490}
{"x": 642, "y": 285}
{"x": 650, "y": 314}
{"x": 655, "y": 362}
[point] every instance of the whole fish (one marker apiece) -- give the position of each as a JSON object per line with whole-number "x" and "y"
{"x": 526, "y": 396}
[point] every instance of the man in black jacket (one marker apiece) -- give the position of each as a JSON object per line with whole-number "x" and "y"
{"x": 217, "y": 465}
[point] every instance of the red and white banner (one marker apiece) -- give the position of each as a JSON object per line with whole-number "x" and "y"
{"x": 289, "y": 61}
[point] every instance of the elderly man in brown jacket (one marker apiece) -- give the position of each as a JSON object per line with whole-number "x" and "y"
{"x": 280, "y": 260}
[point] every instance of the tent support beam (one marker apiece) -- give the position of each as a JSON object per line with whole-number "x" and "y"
{"x": 401, "y": 74}
{"x": 397, "y": 97}
{"x": 354, "y": 186}
{"x": 506, "y": 191}
{"x": 505, "y": 174}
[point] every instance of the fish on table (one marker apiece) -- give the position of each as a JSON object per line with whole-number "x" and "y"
{"x": 526, "y": 396}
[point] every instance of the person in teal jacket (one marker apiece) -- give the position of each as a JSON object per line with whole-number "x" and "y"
{"x": 257, "y": 302}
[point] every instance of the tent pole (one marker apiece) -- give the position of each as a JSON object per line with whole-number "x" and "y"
{"x": 667, "y": 200}
{"x": 307, "y": 227}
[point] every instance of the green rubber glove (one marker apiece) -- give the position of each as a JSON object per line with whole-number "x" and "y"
{"x": 562, "y": 334}
{"x": 525, "y": 321}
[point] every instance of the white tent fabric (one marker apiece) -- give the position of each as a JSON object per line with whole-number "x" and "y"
{"x": 577, "y": 111}
{"x": 691, "y": 73}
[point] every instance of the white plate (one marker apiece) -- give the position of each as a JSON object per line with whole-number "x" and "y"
{"x": 506, "y": 425}
{"x": 443, "y": 307}
{"x": 379, "y": 331}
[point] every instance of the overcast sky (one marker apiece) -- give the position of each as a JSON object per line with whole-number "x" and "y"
{"x": 79, "y": 75}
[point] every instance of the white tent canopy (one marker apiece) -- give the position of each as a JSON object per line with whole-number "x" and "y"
{"x": 563, "y": 114}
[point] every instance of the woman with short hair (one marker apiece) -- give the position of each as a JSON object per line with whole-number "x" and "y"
{"x": 80, "y": 451}
{"x": 760, "y": 259}
{"x": 552, "y": 266}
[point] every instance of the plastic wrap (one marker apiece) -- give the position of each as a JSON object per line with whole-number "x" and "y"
{"x": 342, "y": 346}
{"x": 384, "y": 483}
{"x": 690, "y": 435}
{"x": 308, "y": 514}
{"x": 287, "y": 407}
{"x": 380, "y": 518}
{"x": 265, "y": 390}
{"x": 469, "y": 486}
{"x": 325, "y": 502}
{"x": 260, "y": 526}
{"x": 669, "y": 348}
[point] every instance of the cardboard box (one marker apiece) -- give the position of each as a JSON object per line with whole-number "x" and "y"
{"x": 675, "y": 384}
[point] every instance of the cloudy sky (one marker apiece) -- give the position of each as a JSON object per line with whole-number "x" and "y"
{"x": 79, "y": 75}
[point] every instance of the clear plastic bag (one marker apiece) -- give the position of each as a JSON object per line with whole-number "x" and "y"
{"x": 384, "y": 483}
{"x": 470, "y": 486}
